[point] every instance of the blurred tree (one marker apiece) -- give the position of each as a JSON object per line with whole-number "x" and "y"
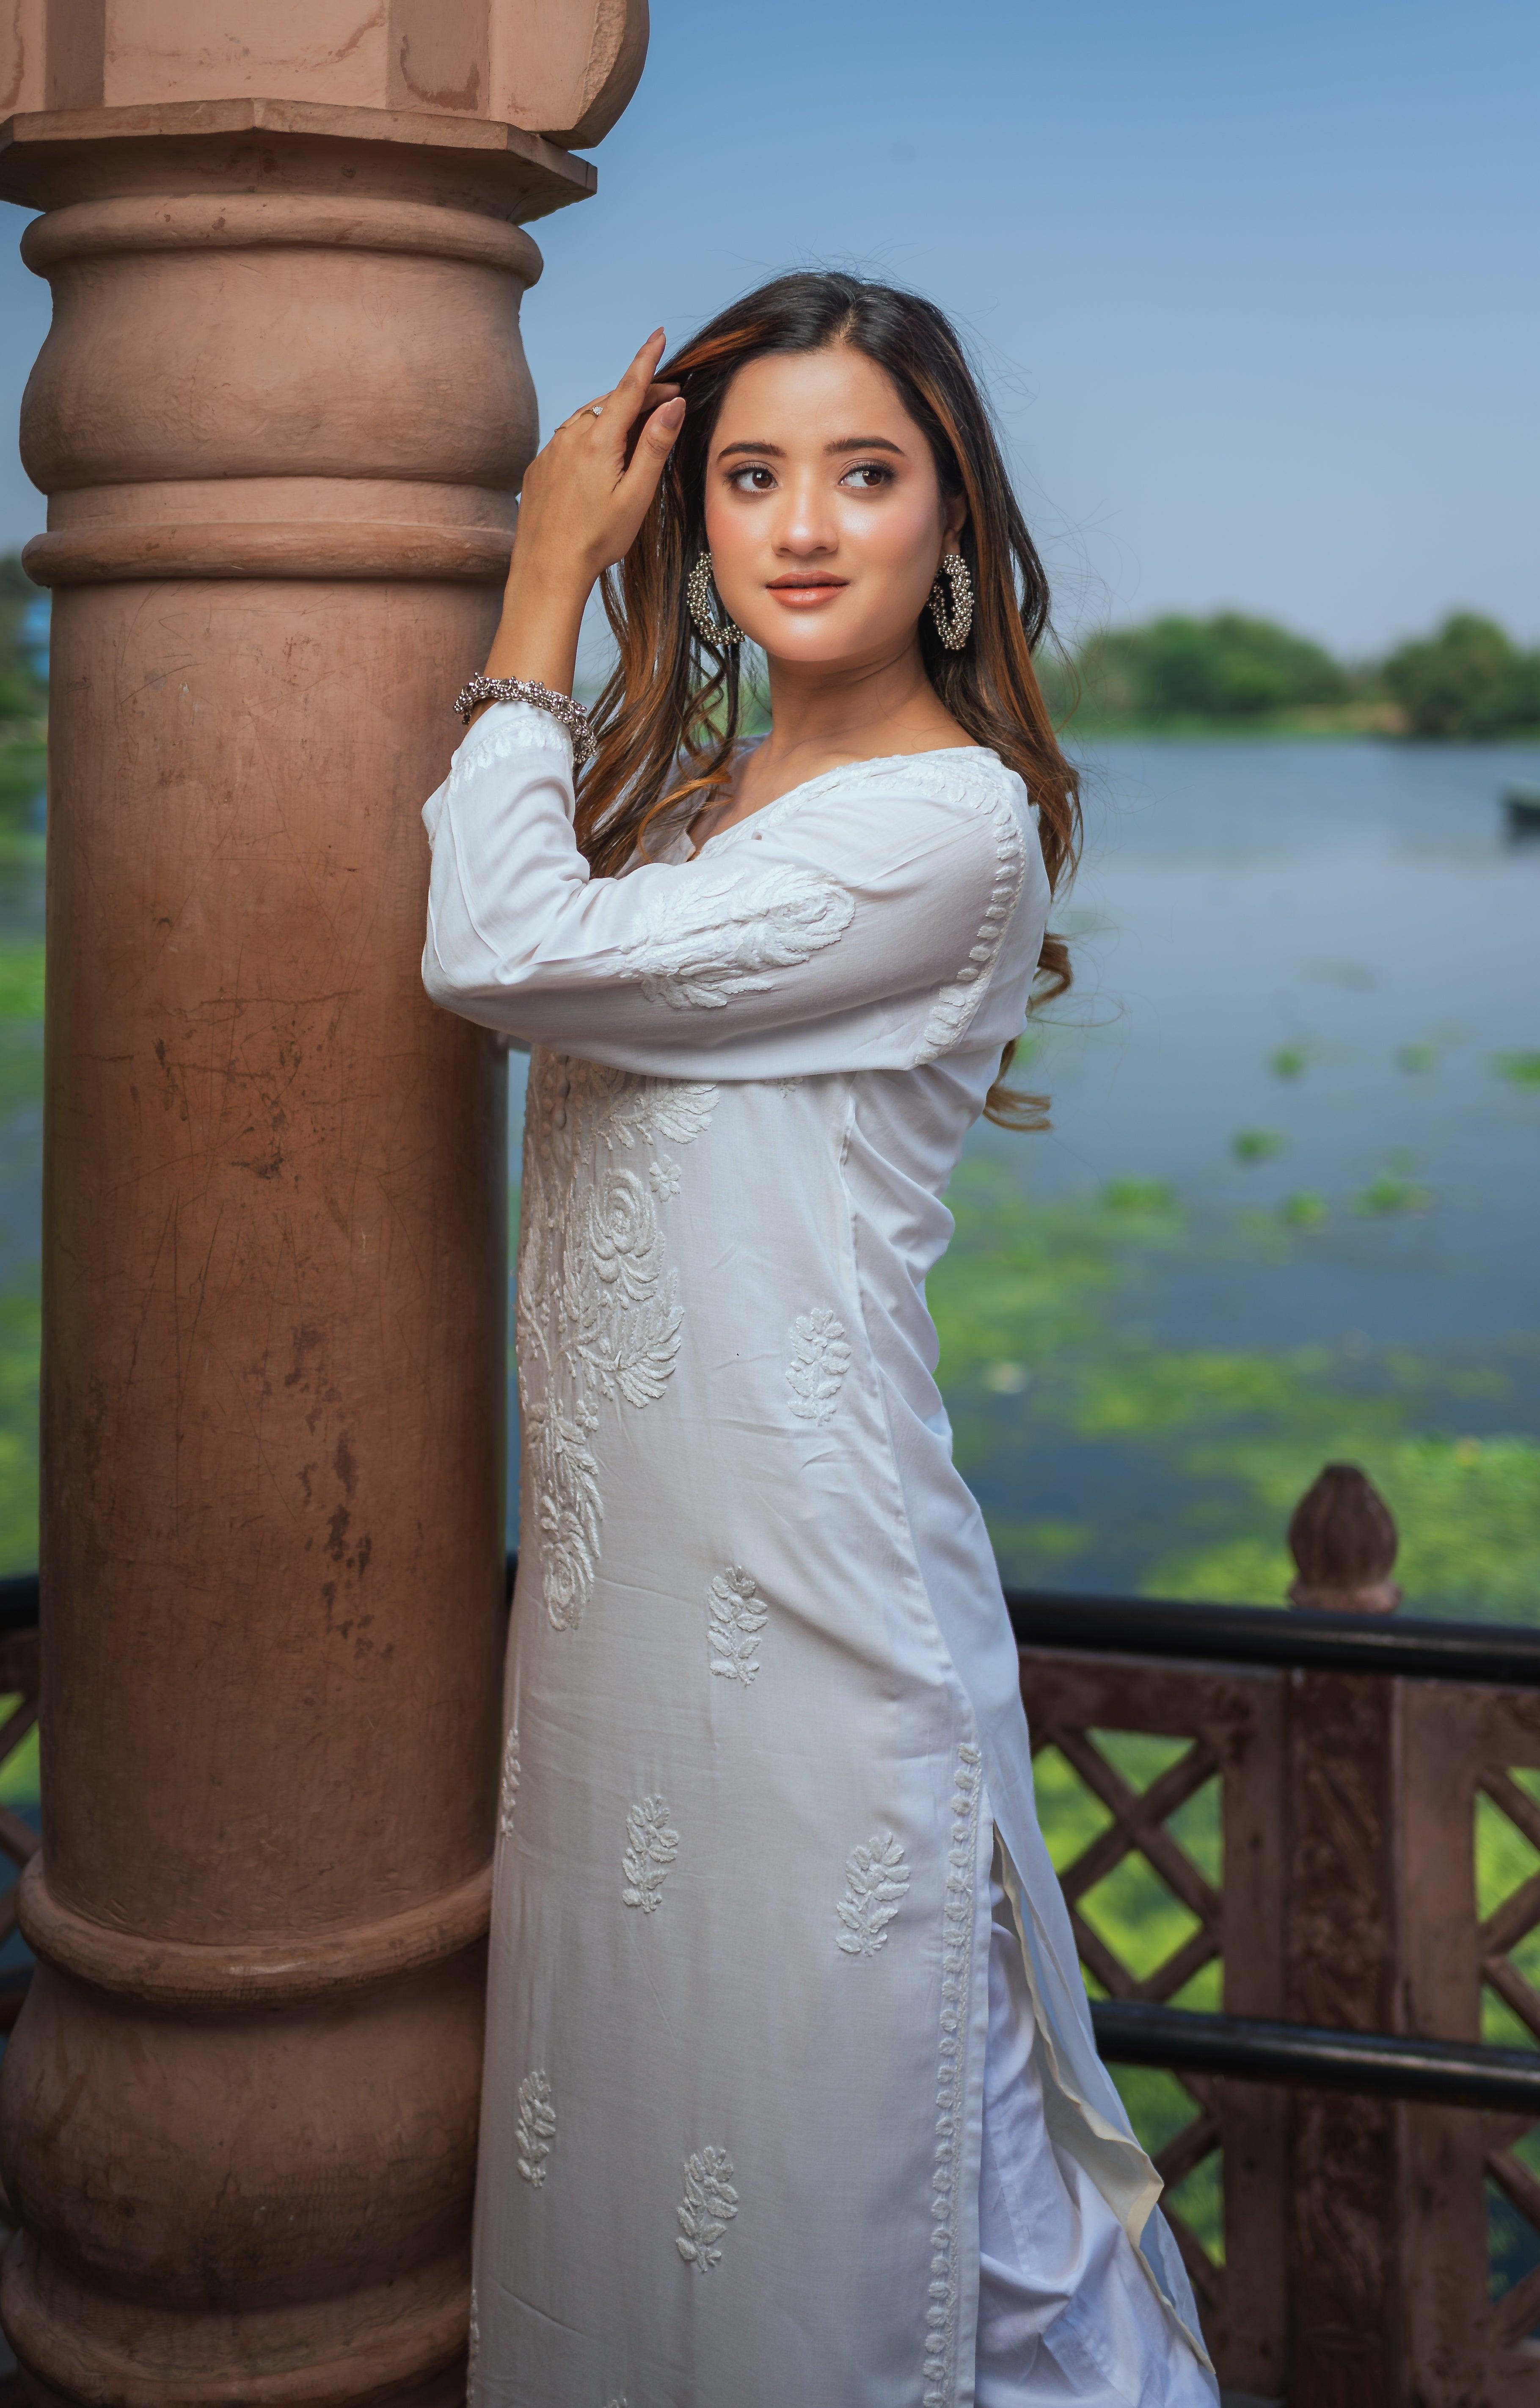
{"x": 1226, "y": 667}
{"x": 1469, "y": 679}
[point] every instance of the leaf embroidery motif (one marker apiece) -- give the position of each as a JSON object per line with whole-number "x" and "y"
{"x": 709, "y": 2206}
{"x": 820, "y": 1358}
{"x": 651, "y": 1848}
{"x": 737, "y": 1618}
{"x": 507, "y": 1793}
{"x": 535, "y": 2127}
{"x": 876, "y": 1883}
{"x": 712, "y": 937}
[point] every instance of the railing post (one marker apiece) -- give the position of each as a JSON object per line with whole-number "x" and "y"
{"x": 1346, "y": 2155}
{"x": 280, "y": 418}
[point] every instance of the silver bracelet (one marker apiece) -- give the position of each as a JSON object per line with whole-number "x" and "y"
{"x": 572, "y": 716}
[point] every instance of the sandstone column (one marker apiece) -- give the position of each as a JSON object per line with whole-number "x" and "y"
{"x": 280, "y": 419}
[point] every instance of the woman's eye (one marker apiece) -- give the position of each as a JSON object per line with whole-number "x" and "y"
{"x": 868, "y": 475}
{"x": 755, "y": 478}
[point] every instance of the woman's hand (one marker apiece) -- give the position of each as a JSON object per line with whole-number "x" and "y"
{"x": 586, "y": 494}
{"x": 583, "y": 500}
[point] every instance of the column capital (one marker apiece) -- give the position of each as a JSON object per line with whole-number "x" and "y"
{"x": 564, "y": 68}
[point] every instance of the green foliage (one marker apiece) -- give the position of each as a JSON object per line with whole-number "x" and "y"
{"x": 23, "y": 697}
{"x": 1469, "y": 678}
{"x": 1519, "y": 1069}
{"x": 1231, "y": 672}
{"x": 1226, "y": 667}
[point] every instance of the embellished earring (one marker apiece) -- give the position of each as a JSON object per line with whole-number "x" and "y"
{"x": 953, "y": 611}
{"x": 723, "y": 633}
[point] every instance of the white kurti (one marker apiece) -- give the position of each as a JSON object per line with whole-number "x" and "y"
{"x": 762, "y": 1708}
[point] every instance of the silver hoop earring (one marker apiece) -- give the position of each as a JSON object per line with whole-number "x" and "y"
{"x": 953, "y": 611}
{"x": 723, "y": 633}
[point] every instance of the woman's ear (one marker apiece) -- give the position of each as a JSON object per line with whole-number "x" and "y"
{"x": 953, "y": 522}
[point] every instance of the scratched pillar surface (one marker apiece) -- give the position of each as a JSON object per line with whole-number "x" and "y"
{"x": 280, "y": 419}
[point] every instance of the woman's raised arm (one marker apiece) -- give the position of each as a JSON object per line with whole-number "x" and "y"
{"x": 860, "y": 926}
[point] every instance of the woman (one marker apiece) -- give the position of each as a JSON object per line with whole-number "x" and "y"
{"x": 791, "y": 2099}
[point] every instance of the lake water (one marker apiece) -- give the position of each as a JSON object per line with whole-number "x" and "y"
{"x": 1286, "y": 1210}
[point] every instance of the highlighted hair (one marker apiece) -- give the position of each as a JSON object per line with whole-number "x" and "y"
{"x": 668, "y": 720}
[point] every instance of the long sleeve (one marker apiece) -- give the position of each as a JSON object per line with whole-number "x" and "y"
{"x": 878, "y": 917}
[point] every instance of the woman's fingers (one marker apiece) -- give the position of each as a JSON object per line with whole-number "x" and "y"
{"x": 652, "y": 446}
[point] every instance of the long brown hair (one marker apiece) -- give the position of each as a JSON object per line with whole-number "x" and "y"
{"x": 668, "y": 720}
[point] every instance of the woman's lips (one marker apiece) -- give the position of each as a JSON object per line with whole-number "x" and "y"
{"x": 808, "y": 596}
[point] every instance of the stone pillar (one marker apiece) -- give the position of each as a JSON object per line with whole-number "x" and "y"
{"x": 280, "y": 419}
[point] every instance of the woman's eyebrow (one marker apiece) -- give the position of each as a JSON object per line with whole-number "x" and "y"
{"x": 843, "y": 443}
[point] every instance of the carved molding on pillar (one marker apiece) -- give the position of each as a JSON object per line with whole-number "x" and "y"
{"x": 281, "y": 419}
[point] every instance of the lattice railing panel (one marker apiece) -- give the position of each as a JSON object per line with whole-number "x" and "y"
{"x": 1133, "y": 1822}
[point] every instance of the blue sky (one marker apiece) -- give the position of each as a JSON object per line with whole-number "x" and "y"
{"x": 1253, "y": 288}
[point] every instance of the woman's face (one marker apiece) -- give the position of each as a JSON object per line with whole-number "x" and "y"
{"x": 824, "y": 513}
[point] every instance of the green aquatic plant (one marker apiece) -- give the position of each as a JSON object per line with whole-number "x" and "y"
{"x": 1416, "y": 1060}
{"x": 1206, "y": 1450}
{"x": 1519, "y": 1069}
{"x": 1144, "y": 1197}
{"x": 1257, "y": 1145}
{"x": 1288, "y": 1061}
{"x": 1304, "y": 1210}
{"x": 1390, "y": 1193}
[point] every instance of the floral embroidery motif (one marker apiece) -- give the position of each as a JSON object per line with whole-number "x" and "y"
{"x": 951, "y": 2124}
{"x": 709, "y": 2207}
{"x": 598, "y": 1312}
{"x": 565, "y": 1479}
{"x": 737, "y": 1617}
{"x": 535, "y": 2127}
{"x": 953, "y": 1009}
{"x": 651, "y": 1848}
{"x": 819, "y": 1360}
{"x": 717, "y": 937}
{"x": 507, "y": 1794}
{"x": 876, "y": 1884}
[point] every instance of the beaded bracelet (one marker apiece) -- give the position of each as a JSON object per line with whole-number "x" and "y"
{"x": 572, "y": 716}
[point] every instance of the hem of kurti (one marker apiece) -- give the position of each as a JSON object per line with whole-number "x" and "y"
{"x": 1137, "y": 2224}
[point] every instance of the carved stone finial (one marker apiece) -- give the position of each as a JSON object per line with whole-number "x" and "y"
{"x": 1344, "y": 1541}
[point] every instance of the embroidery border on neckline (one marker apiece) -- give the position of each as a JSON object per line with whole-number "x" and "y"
{"x": 769, "y": 813}
{"x": 941, "y": 2344}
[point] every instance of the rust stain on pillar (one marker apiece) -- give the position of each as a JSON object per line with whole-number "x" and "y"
{"x": 279, "y": 420}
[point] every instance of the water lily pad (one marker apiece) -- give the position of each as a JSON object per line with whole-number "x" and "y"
{"x": 1416, "y": 1060}
{"x": 1388, "y": 1195}
{"x": 1519, "y": 1069}
{"x": 1304, "y": 1210}
{"x": 1288, "y": 1062}
{"x": 1257, "y": 1145}
{"x": 1138, "y": 1196}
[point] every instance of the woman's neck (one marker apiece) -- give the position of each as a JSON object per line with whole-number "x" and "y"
{"x": 824, "y": 718}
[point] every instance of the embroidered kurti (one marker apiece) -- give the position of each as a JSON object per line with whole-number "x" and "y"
{"x": 762, "y": 1712}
